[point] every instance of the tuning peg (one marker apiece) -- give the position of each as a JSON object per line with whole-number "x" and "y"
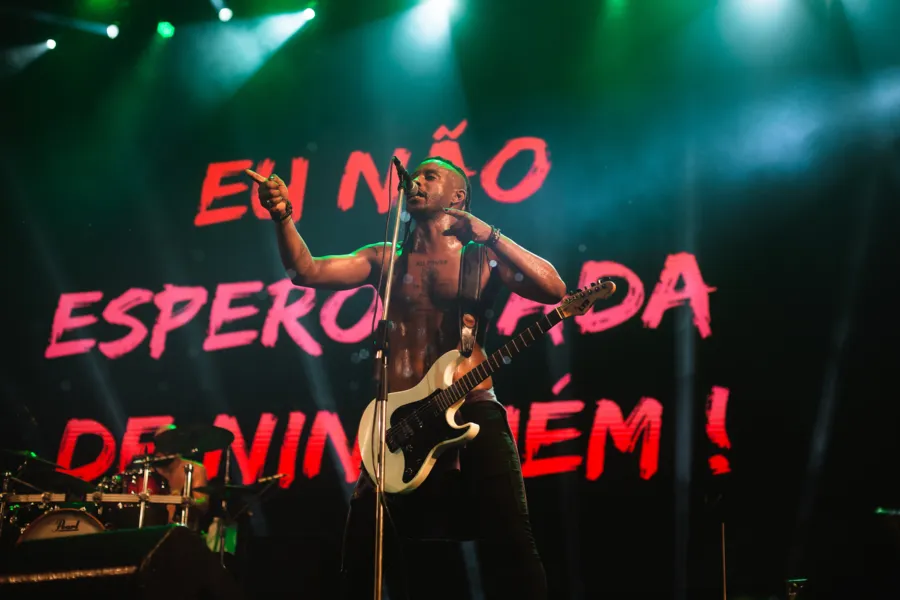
{"x": 593, "y": 284}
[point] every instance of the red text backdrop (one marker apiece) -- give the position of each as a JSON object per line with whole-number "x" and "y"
{"x": 178, "y": 305}
{"x": 361, "y": 166}
{"x": 642, "y": 426}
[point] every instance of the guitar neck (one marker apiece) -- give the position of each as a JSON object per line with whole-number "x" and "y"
{"x": 503, "y": 356}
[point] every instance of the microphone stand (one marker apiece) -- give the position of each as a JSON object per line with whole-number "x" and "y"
{"x": 381, "y": 353}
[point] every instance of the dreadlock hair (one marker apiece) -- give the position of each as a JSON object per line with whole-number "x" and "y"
{"x": 461, "y": 173}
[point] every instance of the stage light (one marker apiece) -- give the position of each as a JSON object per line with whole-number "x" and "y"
{"x": 442, "y": 7}
{"x": 225, "y": 14}
{"x": 308, "y": 14}
{"x": 165, "y": 29}
{"x": 102, "y": 5}
{"x": 51, "y": 44}
{"x": 112, "y": 31}
{"x": 431, "y": 20}
{"x": 616, "y": 8}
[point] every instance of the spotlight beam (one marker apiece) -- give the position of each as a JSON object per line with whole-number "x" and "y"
{"x": 80, "y": 24}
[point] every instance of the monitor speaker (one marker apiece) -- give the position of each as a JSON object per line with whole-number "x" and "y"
{"x": 169, "y": 562}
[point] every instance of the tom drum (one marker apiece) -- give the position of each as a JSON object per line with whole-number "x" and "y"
{"x": 133, "y": 483}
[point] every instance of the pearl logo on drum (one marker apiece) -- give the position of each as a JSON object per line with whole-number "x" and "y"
{"x": 63, "y": 526}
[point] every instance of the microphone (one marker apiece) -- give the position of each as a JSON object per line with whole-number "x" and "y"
{"x": 406, "y": 182}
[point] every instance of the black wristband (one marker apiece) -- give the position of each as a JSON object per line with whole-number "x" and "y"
{"x": 288, "y": 211}
{"x": 495, "y": 237}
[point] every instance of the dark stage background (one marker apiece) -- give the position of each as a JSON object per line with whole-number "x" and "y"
{"x": 758, "y": 141}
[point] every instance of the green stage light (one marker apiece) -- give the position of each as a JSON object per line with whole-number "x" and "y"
{"x": 102, "y": 5}
{"x": 309, "y": 14}
{"x": 165, "y": 29}
{"x": 51, "y": 44}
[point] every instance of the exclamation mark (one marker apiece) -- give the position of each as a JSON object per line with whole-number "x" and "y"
{"x": 716, "y": 406}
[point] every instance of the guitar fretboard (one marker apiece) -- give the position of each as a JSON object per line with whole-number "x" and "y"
{"x": 467, "y": 382}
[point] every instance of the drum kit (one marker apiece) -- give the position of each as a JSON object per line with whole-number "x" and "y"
{"x": 39, "y": 501}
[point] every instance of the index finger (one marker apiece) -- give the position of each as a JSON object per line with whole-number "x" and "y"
{"x": 255, "y": 176}
{"x": 455, "y": 212}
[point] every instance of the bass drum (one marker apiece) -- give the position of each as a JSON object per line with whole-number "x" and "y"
{"x": 61, "y": 522}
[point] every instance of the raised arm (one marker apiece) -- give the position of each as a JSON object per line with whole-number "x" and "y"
{"x": 339, "y": 272}
{"x": 526, "y": 273}
{"x": 523, "y": 272}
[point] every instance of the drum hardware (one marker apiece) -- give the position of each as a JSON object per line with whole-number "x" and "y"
{"x": 140, "y": 487}
{"x": 152, "y": 459}
{"x": 146, "y": 487}
{"x": 227, "y": 491}
{"x": 43, "y": 499}
{"x": 144, "y": 497}
{"x": 186, "y": 492}
{"x": 144, "y": 493}
{"x": 7, "y": 499}
{"x": 4, "y": 490}
{"x": 220, "y": 531}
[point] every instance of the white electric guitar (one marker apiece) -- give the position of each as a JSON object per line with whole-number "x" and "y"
{"x": 421, "y": 420}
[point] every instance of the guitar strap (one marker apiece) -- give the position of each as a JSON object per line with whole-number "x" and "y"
{"x": 470, "y": 273}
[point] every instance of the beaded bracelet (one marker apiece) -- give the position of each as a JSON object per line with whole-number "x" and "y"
{"x": 288, "y": 211}
{"x": 495, "y": 236}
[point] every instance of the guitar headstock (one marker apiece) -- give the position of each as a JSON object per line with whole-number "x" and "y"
{"x": 581, "y": 301}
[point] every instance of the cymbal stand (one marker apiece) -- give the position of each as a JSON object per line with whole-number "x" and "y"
{"x": 227, "y": 520}
{"x": 143, "y": 495}
{"x": 5, "y": 489}
{"x": 220, "y": 528}
{"x": 187, "y": 492}
{"x": 11, "y": 477}
{"x": 724, "y": 574}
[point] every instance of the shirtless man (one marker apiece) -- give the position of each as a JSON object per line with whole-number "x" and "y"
{"x": 425, "y": 316}
{"x": 173, "y": 472}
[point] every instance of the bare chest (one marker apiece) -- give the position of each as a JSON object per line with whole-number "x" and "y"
{"x": 429, "y": 281}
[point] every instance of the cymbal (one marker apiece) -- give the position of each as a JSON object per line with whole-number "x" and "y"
{"x": 30, "y": 456}
{"x": 192, "y": 439}
{"x": 57, "y": 482}
{"x": 217, "y": 487}
{"x": 140, "y": 460}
